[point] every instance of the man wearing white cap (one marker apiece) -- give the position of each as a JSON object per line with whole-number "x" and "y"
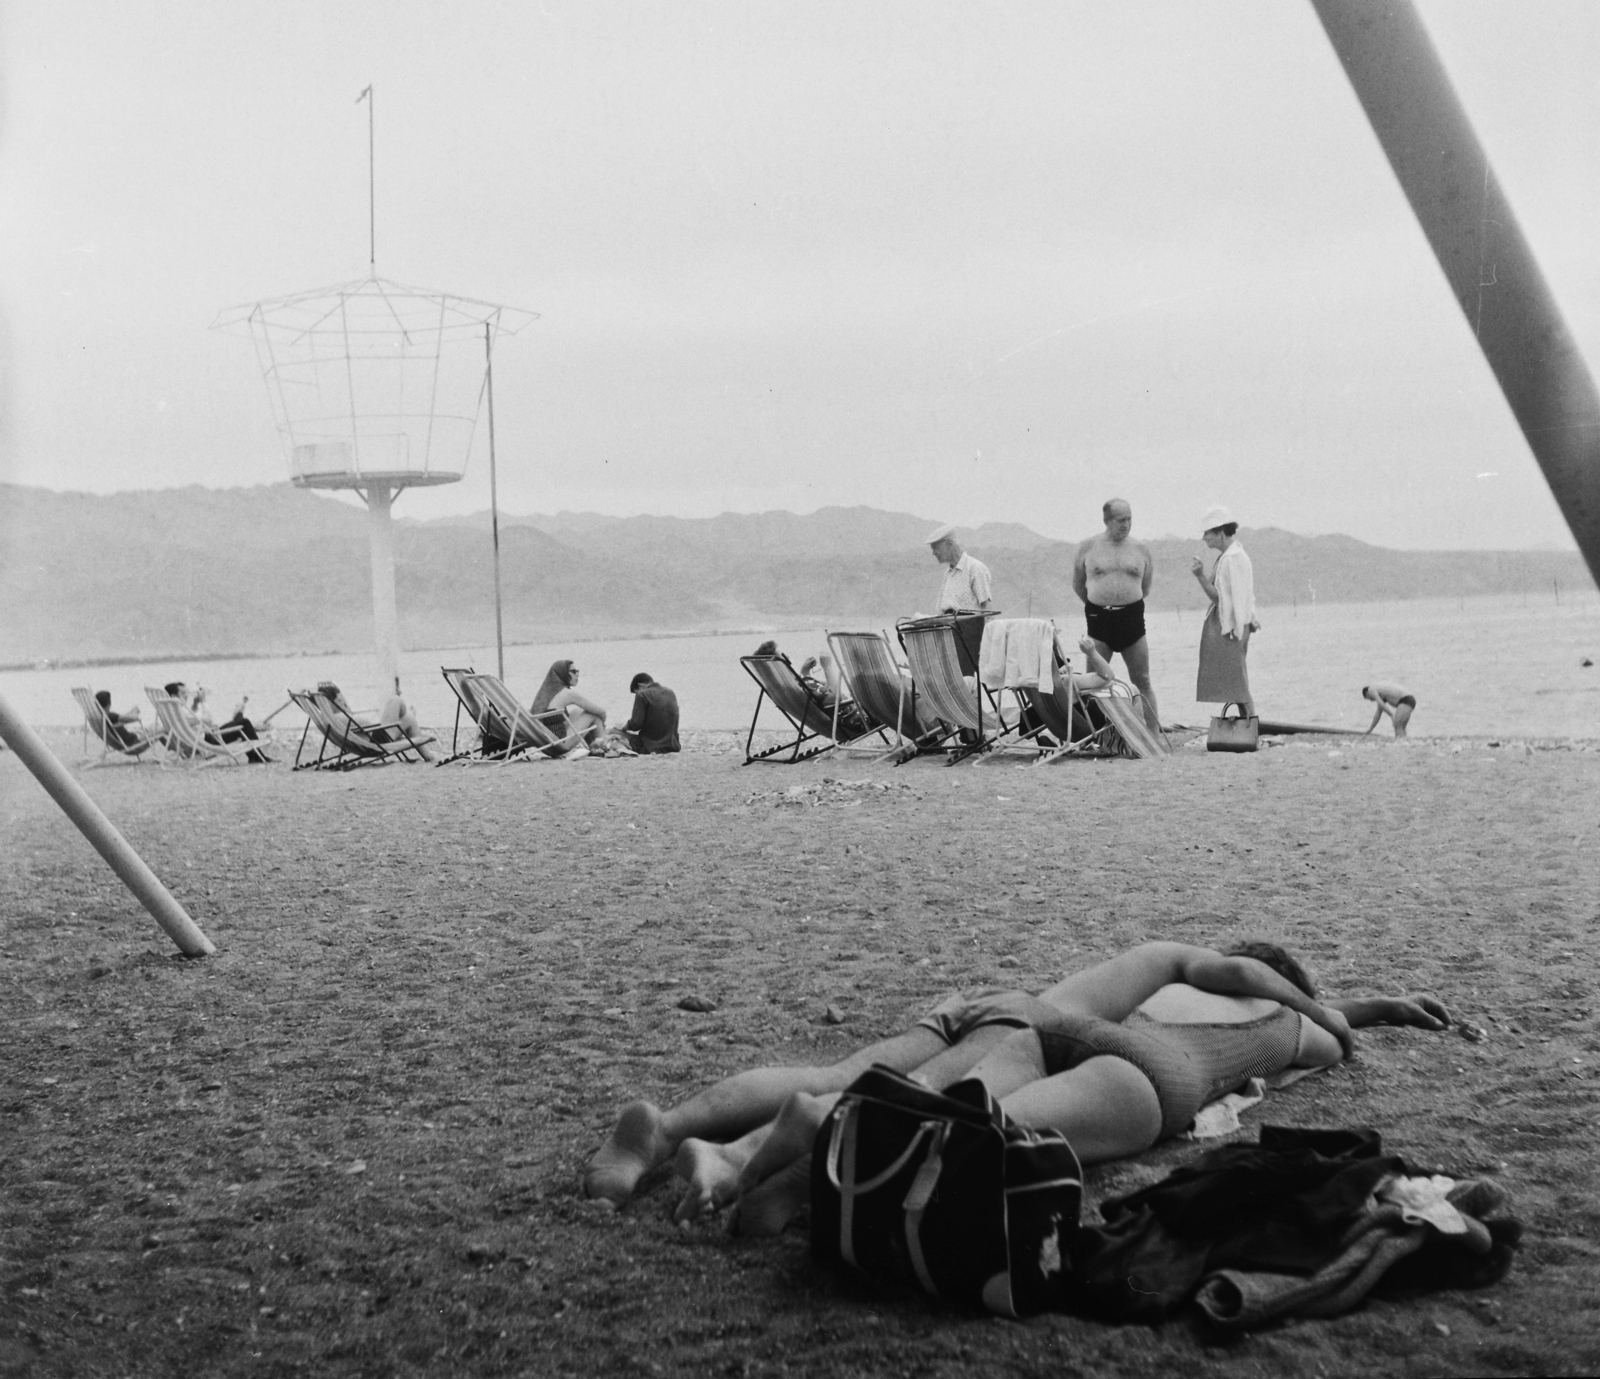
{"x": 966, "y": 581}
{"x": 1225, "y": 638}
{"x": 1112, "y": 574}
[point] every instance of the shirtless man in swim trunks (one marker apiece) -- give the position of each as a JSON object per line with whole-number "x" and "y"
{"x": 1129, "y": 1086}
{"x": 1393, "y": 700}
{"x": 1112, "y": 576}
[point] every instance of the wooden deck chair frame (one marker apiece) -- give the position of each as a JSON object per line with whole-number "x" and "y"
{"x": 104, "y": 730}
{"x": 523, "y": 730}
{"x": 310, "y": 706}
{"x": 467, "y": 701}
{"x": 867, "y": 664}
{"x": 930, "y": 646}
{"x": 778, "y": 682}
{"x": 355, "y": 743}
{"x": 186, "y": 736}
{"x": 1125, "y": 734}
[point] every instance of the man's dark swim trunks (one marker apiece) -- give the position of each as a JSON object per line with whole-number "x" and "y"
{"x": 1118, "y": 628}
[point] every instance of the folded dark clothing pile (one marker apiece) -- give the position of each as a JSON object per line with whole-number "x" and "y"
{"x": 1305, "y": 1223}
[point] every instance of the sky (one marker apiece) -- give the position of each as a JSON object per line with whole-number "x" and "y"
{"x": 982, "y": 263}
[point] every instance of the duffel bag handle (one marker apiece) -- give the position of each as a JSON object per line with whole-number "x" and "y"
{"x": 917, "y": 1199}
{"x": 842, "y": 1168}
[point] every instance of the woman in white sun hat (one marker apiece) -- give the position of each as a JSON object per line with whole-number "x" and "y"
{"x": 1225, "y": 638}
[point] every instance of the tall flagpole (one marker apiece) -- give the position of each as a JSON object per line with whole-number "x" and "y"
{"x": 494, "y": 508}
{"x": 372, "y": 179}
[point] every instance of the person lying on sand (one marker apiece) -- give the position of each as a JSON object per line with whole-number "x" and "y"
{"x": 1116, "y": 1057}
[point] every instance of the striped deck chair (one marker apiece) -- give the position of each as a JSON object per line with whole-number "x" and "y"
{"x": 1107, "y": 722}
{"x": 964, "y": 704}
{"x": 800, "y": 703}
{"x": 127, "y": 740}
{"x": 885, "y": 696}
{"x": 472, "y": 703}
{"x": 352, "y": 742}
{"x": 188, "y": 739}
{"x": 545, "y": 734}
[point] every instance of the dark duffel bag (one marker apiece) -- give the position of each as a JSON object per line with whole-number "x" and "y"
{"x": 940, "y": 1190}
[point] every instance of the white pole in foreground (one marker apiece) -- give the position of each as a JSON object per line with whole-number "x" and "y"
{"x": 100, "y": 831}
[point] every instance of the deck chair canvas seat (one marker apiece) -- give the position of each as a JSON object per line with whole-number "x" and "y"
{"x": 803, "y": 707}
{"x": 127, "y": 740}
{"x": 965, "y": 704}
{"x": 512, "y": 730}
{"x": 188, "y": 739}
{"x": 469, "y": 701}
{"x": 885, "y": 696}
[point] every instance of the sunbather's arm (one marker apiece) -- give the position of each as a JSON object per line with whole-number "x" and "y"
{"x": 1113, "y": 990}
{"x": 1420, "y": 1012}
{"x": 570, "y": 698}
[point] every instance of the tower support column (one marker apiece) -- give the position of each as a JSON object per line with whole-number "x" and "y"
{"x": 386, "y": 642}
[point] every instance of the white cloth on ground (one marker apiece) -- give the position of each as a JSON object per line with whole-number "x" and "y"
{"x": 1018, "y": 653}
{"x": 1221, "y": 1117}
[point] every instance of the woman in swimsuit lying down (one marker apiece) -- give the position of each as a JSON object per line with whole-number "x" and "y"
{"x": 1116, "y": 1057}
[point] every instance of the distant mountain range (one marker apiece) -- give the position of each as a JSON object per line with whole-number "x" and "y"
{"x": 274, "y": 569}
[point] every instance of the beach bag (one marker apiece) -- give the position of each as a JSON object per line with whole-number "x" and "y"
{"x": 940, "y": 1190}
{"x": 1236, "y": 734}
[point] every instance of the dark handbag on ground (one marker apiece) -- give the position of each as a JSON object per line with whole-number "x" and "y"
{"x": 941, "y": 1191}
{"x": 1236, "y": 734}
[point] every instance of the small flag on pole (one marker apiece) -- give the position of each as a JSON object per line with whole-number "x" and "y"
{"x": 363, "y": 95}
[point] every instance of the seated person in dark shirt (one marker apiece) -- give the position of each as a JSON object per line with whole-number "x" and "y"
{"x": 654, "y": 724}
{"x": 124, "y": 729}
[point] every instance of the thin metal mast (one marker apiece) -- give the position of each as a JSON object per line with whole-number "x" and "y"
{"x": 494, "y": 507}
{"x": 372, "y": 179}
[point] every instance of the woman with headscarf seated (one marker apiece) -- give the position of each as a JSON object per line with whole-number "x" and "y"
{"x": 559, "y": 693}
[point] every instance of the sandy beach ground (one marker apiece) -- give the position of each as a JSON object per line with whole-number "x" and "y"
{"x": 348, "y": 1144}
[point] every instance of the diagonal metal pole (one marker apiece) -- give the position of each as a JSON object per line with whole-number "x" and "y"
{"x": 100, "y": 831}
{"x": 1443, "y": 170}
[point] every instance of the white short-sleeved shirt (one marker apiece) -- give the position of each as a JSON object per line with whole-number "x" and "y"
{"x": 966, "y": 586}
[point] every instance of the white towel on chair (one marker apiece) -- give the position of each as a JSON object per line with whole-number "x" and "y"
{"x": 1017, "y": 653}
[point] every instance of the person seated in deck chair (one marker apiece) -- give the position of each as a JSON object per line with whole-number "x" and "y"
{"x": 1116, "y": 1057}
{"x": 653, "y": 728}
{"x": 827, "y": 690}
{"x": 236, "y": 729}
{"x": 407, "y": 727}
{"x": 125, "y": 729}
{"x": 559, "y": 692}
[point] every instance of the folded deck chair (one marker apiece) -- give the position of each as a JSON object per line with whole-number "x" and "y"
{"x": 186, "y": 737}
{"x": 347, "y": 742}
{"x": 125, "y": 739}
{"x": 801, "y": 704}
{"x": 965, "y": 704}
{"x": 885, "y": 696}
{"x": 507, "y": 722}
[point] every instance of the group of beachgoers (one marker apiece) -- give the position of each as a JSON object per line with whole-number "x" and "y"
{"x": 127, "y": 729}
{"x": 651, "y": 729}
{"x": 1116, "y": 1057}
{"x": 1112, "y": 575}
{"x": 580, "y": 724}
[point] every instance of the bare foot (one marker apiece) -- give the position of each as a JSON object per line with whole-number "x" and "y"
{"x": 770, "y": 1207}
{"x": 792, "y": 1133}
{"x": 712, "y": 1174}
{"x": 635, "y": 1146}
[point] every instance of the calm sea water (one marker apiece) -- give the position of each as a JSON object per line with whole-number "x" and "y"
{"x": 1495, "y": 665}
